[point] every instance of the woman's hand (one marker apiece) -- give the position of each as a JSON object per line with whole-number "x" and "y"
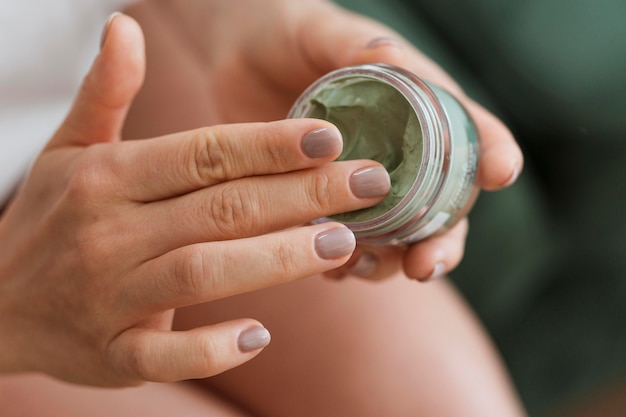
{"x": 259, "y": 56}
{"x": 106, "y": 238}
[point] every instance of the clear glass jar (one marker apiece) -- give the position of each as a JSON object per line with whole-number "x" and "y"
{"x": 419, "y": 132}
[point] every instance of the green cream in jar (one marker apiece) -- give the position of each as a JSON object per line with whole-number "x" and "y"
{"x": 418, "y": 132}
{"x": 377, "y": 123}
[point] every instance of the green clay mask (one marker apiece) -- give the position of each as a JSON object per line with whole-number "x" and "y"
{"x": 420, "y": 133}
{"x": 377, "y": 122}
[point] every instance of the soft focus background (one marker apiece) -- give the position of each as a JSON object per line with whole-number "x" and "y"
{"x": 545, "y": 266}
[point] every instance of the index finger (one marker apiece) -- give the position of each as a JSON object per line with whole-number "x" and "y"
{"x": 169, "y": 166}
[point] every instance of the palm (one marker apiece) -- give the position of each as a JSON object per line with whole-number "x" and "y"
{"x": 257, "y": 83}
{"x": 241, "y": 93}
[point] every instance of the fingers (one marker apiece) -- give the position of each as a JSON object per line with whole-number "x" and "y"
{"x": 501, "y": 159}
{"x": 166, "y": 356}
{"x": 436, "y": 255}
{"x": 108, "y": 89}
{"x": 371, "y": 263}
{"x": 341, "y": 39}
{"x": 177, "y": 164}
{"x": 258, "y": 205}
{"x": 332, "y": 38}
{"x": 204, "y": 272}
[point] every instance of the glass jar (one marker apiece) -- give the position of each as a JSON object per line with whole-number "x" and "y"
{"x": 417, "y": 131}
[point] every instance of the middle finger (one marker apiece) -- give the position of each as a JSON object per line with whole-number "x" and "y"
{"x": 258, "y": 205}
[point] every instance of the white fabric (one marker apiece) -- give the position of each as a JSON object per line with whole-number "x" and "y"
{"x": 46, "y": 46}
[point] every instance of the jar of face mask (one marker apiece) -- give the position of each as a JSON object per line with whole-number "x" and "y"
{"x": 417, "y": 131}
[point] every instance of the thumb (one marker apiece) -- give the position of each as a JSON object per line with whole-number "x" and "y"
{"x": 333, "y": 37}
{"x": 106, "y": 94}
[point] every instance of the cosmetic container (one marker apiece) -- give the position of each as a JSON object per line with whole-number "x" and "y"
{"x": 420, "y": 133}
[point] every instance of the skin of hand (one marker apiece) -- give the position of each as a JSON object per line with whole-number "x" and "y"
{"x": 106, "y": 238}
{"x": 257, "y": 68}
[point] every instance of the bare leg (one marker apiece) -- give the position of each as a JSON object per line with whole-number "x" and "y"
{"x": 353, "y": 348}
{"x": 35, "y": 396}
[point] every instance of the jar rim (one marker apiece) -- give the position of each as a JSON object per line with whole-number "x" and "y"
{"x": 435, "y": 140}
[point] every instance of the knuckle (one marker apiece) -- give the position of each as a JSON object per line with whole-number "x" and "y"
{"x": 210, "y": 158}
{"x": 94, "y": 176}
{"x": 191, "y": 275}
{"x": 285, "y": 263}
{"x": 274, "y": 155}
{"x": 278, "y": 156}
{"x": 139, "y": 361}
{"x": 129, "y": 356}
{"x": 320, "y": 192}
{"x": 87, "y": 180}
{"x": 210, "y": 353}
{"x": 233, "y": 211}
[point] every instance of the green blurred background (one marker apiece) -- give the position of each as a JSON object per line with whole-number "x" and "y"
{"x": 545, "y": 265}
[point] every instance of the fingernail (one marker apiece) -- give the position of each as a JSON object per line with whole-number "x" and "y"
{"x": 438, "y": 271}
{"x": 107, "y": 26}
{"x": 335, "y": 243}
{"x": 382, "y": 41}
{"x": 370, "y": 182}
{"x": 365, "y": 266}
{"x": 320, "y": 143}
{"x": 512, "y": 178}
{"x": 253, "y": 338}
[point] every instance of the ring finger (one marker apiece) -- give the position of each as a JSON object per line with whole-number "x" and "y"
{"x": 208, "y": 271}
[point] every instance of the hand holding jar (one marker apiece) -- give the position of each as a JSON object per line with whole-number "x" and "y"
{"x": 287, "y": 59}
{"x": 106, "y": 237}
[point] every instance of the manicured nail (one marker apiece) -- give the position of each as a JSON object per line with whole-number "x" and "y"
{"x": 320, "y": 143}
{"x": 253, "y": 338}
{"x": 382, "y": 41}
{"x": 370, "y": 182}
{"x": 335, "y": 243}
{"x": 438, "y": 271}
{"x": 512, "y": 178}
{"x": 107, "y": 26}
{"x": 365, "y": 266}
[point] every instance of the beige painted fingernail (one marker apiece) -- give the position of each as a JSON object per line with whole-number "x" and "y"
{"x": 512, "y": 178}
{"x": 253, "y": 338}
{"x": 107, "y": 26}
{"x": 438, "y": 271}
{"x": 365, "y": 266}
{"x": 370, "y": 182}
{"x": 335, "y": 243}
{"x": 382, "y": 41}
{"x": 320, "y": 143}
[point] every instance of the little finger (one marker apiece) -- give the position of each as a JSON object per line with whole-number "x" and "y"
{"x": 167, "y": 356}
